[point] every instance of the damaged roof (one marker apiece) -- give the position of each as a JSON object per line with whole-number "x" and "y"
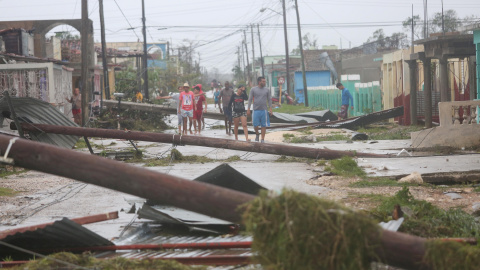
{"x": 320, "y": 116}
{"x": 31, "y": 110}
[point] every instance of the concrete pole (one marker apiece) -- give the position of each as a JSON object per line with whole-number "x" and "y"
{"x": 304, "y": 77}
{"x": 253, "y": 54}
{"x": 261, "y": 55}
{"x": 445, "y": 94}
{"x": 287, "y": 67}
{"x": 85, "y": 78}
{"x": 246, "y": 54}
{"x": 412, "y": 65}
{"x": 478, "y": 68}
{"x": 427, "y": 74}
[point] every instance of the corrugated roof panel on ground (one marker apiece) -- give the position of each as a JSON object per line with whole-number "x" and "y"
{"x": 320, "y": 116}
{"x": 60, "y": 234}
{"x": 30, "y": 110}
{"x": 289, "y": 118}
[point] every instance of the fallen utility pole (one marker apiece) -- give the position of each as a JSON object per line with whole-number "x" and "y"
{"x": 266, "y": 148}
{"x": 396, "y": 249}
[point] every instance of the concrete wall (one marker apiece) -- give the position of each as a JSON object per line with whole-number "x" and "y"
{"x": 367, "y": 66}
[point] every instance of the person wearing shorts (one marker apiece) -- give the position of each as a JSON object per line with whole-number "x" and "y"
{"x": 186, "y": 105}
{"x": 262, "y": 101}
{"x": 198, "y": 109}
{"x": 224, "y": 99}
{"x": 176, "y": 97}
{"x": 237, "y": 105}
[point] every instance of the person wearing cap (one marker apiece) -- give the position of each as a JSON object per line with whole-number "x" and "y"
{"x": 237, "y": 105}
{"x": 186, "y": 105}
{"x": 176, "y": 97}
{"x": 346, "y": 100}
{"x": 224, "y": 100}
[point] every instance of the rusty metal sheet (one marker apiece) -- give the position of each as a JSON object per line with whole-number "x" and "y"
{"x": 62, "y": 233}
{"x": 30, "y": 110}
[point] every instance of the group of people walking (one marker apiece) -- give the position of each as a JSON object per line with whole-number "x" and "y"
{"x": 191, "y": 105}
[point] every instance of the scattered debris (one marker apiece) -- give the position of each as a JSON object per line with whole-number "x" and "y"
{"x": 414, "y": 178}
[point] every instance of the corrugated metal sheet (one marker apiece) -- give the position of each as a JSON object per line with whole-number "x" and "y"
{"x": 320, "y": 116}
{"x": 63, "y": 233}
{"x": 226, "y": 176}
{"x": 364, "y": 120}
{"x": 289, "y": 118}
{"x": 30, "y": 110}
{"x": 177, "y": 216}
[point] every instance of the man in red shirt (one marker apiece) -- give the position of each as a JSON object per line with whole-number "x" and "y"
{"x": 186, "y": 105}
{"x": 198, "y": 110}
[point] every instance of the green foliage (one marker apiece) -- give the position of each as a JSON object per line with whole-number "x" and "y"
{"x": 299, "y": 231}
{"x": 233, "y": 158}
{"x": 217, "y": 127}
{"x": 89, "y": 261}
{"x": 8, "y": 170}
{"x": 426, "y": 219}
{"x": 8, "y": 192}
{"x": 288, "y": 135}
{"x": 294, "y": 159}
{"x": 378, "y": 182}
{"x": 80, "y": 144}
{"x": 389, "y": 132}
{"x": 450, "y": 255}
{"x": 293, "y": 109}
{"x": 345, "y": 166}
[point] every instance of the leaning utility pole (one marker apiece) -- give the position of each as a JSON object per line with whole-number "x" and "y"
{"x": 85, "y": 85}
{"x": 238, "y": 65}
{"x": 253, "y": 54}
{"x": 287, "y": 68}
{"x": 301, "y": 55}
{"x": 246, "y": 54}
{"x": 106, "y": 85}
{"x": 144, "y": 60}
{"x": 261, "y": 56}
{"x": 243, "y": 63}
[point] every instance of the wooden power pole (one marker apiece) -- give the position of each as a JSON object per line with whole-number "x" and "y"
{"x": 106, "y": 84}
{"x": 85, "y": 85}
{"x": 144, "y": 60}
{"x": 261, "y": 55}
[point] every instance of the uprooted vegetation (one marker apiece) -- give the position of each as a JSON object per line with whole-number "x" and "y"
{"x": 131, "y": 120}
{"x": 288, "y": 236}
{"x": 76, "y": 261}
{"x": 308, "y": 135}
{"x": 177, "y": 157}
{"x": 389, "y": 131}
{"x": 422, "y": 217}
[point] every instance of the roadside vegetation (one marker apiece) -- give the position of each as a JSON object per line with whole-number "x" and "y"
{"x": 389, "y": 131}
{"x": 176, "y": 157}
{"x": 293, "y": 109}
{"x": 422, "y": 218}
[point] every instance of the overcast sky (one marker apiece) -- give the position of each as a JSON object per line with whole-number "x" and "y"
{"x": 215, "y": 25}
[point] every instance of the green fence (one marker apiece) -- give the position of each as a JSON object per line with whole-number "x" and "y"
{"x": 367, "y": 97}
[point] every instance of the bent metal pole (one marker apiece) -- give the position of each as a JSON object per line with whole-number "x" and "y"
{"x": 396, "y": 249}
{"x": 266, "y": 148}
